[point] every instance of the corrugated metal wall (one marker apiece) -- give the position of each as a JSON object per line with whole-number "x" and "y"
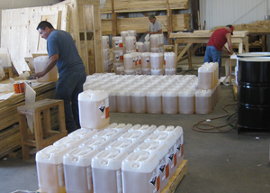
{"x": 222, "y": 12}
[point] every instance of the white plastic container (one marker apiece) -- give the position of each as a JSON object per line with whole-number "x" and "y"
{"x": 123, "y": 102}
{"x": 161, "y": 150}
{"x": 170, "y": 102}
{"x": 129, "y": 61}
{"x": 170, "y": 71}
{"x": 49, "y": 163}
{"x": 186, "y": 102}
{"x": 130, "y": 43}
{"x": 130, "y": 72}
{"x": 138, "y": 102}
{"x": 169, "y": 60}
{"x": 157, "y": 71}
{"x": 70, "y": 141}
{"x": 118, "y": 56}
{"x": 124, "y": 145}
{"x": 106, "y": 54}
{"x": 132, "y": 33}
{"x": 112, "y": 101}
{"x": 144, "y": 128}
{"x": 140, "y": 47}
{"x": 145, "y": 57}
{"x": 94, "y": 109}
{"x": 205, "y": 78}
{"x": 117, "y": 42}
{"x": 106, "y": 167}
{"x": 139, "y": 173}
{"x": 156, "y": 60}
{"x": 83, "y": 133}
{"x": 155, "y": 40}
{"x": 146, "y": 71}
{"x": 40, "y": 64}
{"x": 147, "y": 46}
{"x": 153, "y": 102}
{"x": 204, "y": 102}
{"x": 105, "y": 42}
{"x": 78, "y": 171}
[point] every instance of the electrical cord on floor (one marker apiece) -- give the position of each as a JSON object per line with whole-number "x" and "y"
{"x": 206, "y": 127}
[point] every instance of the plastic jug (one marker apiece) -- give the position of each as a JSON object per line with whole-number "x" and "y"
{"x": 77, "y": 169}
{"x": 138, "y": 102}
{"x": 49, "y": 163}
{"x": 170, "y": 102}
{"x": 154, "y": 102}
{"x": 140, "y": 173}
{"x": 106, "y": 169}
{"x": 94, "y": 109}
{"x": 40, "y": 64}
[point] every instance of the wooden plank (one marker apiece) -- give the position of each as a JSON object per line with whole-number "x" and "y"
{"x": 140, "y": 24}
{"x": 143, "y": 5}
{"x": 176, "y": 178}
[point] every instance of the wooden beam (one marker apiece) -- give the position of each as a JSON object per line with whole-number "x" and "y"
{"x": 180, "y": 22}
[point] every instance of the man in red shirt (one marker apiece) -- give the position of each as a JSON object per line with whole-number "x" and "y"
{"x": 216, "y": 42}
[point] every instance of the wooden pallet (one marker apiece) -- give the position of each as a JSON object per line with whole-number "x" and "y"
{"x": 176, "y": 178}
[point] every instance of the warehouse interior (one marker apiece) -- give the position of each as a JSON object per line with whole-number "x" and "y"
{"x": 225, "y": 148}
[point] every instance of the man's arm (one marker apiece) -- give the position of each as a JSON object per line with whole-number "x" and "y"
{"x": 51, "y": 63}
{"x": 229, "y": 42}
{"x": 157, "y": 32}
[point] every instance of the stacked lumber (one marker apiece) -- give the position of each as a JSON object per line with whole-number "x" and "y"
{"x": 79, "y": 17}
{"x": 9, "y": 119}
{"x": 170, "y": 22}
{"x": 255, "y": 27}
{"x": 143, "y": 5}
{"x": 141, "y": 24}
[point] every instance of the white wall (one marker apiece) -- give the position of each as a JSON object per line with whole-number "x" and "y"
{"x": 11, "y": 4}
{"x": 223, "y": 12}
{"x": 7, "y": 4}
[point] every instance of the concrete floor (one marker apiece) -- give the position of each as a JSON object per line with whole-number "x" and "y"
{"x": 217, "y": 162}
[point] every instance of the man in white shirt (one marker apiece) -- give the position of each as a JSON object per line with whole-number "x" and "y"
{"x": 155, "y": 26}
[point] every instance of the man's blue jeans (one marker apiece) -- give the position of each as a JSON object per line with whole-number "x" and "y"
{"x": 68, "y": 87}
{"x": 212, "y": 55}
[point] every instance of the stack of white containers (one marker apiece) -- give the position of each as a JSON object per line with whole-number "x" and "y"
{"x": 106, "y": 54}
{"x": 119, "y": 158}
{"x": 207, "y": 92}
{"x": 170, "y": 63}
{"x": 118, "y": 53}
{"x": 148, "y": 168}
{"x": 146, "y": 65}
{"x": 154, "y": 94}
{"x": 157, "y": 62}
{"x": 157, "y": 42}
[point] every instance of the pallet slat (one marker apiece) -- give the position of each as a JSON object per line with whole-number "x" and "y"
{"x": 176, "y": 178}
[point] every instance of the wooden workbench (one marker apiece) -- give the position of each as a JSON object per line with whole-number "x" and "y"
{"x": 201, "y": 37}
{"x": 9, "y": 119}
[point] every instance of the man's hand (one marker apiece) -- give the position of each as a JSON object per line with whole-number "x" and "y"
{"x": 39, "y": 74}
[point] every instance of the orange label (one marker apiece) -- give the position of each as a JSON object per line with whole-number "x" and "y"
{"x": 167, "y": 171}
{"x": 174, "y": 159}
{"x": 107, "y": 112}
{"x": 158, "y": 183}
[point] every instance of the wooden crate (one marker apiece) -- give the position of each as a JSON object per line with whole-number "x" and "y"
{"x": 79, "y": 17}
